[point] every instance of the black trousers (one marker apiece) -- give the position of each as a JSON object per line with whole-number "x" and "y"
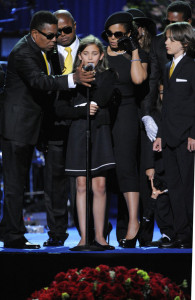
{"x": 56, "y": 191}
{"x": 17, "y": 159}
{"x": 179, "y": 172}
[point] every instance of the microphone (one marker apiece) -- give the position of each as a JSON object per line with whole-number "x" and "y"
{"x": 89, "y": 67}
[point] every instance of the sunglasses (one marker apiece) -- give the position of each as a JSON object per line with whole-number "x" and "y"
{"x": 117, "y": 34}
{"x": 66, "y": 30}
{"x": 49, "y": 36}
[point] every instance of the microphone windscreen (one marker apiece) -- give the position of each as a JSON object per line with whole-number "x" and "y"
{"x": 89, "y": 67}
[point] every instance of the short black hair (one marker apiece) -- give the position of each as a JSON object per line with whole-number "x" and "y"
{"x": 181, "y": 7}
{"x": 41, "y": 18}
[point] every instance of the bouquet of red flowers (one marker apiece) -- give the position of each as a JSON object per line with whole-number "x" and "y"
{"x": 108, "y": 283}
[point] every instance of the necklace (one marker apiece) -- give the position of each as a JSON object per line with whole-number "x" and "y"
{"x": 121, "y": 53}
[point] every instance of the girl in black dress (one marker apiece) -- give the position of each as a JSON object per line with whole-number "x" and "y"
{"x": 131, "y": 65}
{"x": 91, "y": 51}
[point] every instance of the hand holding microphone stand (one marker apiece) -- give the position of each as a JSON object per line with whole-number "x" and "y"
{"x": 87, "y": 246}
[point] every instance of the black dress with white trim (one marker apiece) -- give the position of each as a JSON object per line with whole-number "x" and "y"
{"x": 101, "y": 152}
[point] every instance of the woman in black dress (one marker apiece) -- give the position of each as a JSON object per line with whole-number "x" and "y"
{"x": 130, "y": 62}
{"x": 91, "y": 51}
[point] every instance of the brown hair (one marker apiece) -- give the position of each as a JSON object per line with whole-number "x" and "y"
{"x": 184, "y": 33}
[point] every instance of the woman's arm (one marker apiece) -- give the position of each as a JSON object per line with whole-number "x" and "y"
{"x": 138, "y": 70}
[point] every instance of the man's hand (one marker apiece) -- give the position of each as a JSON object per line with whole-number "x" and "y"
{"x": 150, "y": 127}
{"x": 157, "y": 145}
{"x": 83, "y": 77}
{"x": 93, "y": 109}
{"x": 191, "y": 144}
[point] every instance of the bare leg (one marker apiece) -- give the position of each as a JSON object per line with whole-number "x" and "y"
{"x": 99, "y": 207}
{"x": 81, "y": 207}
{"x": 132, "y": 199}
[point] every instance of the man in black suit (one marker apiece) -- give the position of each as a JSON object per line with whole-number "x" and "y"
{"x": 28, "y": 95}
{"x": 178, "y": 132}
{"x": 56, "y": 184}
{"x": 176, "y": 11}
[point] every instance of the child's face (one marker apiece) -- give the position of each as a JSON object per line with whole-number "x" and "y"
{"x": 173, "y": 47}
{"x": 91, "y": 54}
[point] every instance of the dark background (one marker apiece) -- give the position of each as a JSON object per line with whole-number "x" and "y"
{"x": 90, "y": 15}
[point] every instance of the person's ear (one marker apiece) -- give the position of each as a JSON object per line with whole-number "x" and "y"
{"x": 79, "y": 56}
{"x": 34, "y": 34}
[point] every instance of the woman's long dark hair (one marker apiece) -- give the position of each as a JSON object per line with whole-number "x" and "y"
{"x": 92, "y": 40}
{"x": 184, "y": 33}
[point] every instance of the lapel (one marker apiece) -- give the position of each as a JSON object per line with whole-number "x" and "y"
{"x": 178, "y": 68}
{"x": 55, "y": 63}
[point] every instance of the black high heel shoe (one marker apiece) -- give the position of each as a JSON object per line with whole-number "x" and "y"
{"x": 106, "y": 247}
{"x": 126, "y": 243}
{"x": 107, "y": 231}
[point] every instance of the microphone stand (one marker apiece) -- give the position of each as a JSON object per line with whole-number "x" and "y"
{"x": 87, "y": 246}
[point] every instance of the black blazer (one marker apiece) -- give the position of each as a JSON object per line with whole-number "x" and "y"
{"x": 27, "y": 92}
{"x": 178, "y": 109}
{"x": 158, "y": 59}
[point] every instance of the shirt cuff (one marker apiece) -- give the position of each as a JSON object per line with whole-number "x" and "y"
{"x": 146, "y": 118}
{"x": 71, "y": 83}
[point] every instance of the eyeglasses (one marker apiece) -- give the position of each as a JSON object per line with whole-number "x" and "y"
{"x": 49, "y": 36}
{"x": 117, "y": 34}
{"x": 66, "y": 30}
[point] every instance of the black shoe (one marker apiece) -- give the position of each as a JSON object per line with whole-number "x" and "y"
{"x": 108, "y": 231}
{"x": 55, "y": 242}
{"x": 125, "y": 243}
{"x": 176, "y": 243}
{"x": 158, "y": 242}
{"x": 21, "y": 244}
{"x": 105, "y": 247}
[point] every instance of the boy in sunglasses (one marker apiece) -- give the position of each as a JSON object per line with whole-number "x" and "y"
{"x": 28, "y": 94}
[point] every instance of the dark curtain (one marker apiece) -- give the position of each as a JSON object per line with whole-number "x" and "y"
{"x": 90, "y": 15}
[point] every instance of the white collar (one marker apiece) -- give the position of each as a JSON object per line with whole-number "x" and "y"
{"x": 177, "y": 60}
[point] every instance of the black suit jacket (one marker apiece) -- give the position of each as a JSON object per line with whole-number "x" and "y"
{"x": 55, "y": 128}
{"x": 28, "y": 91}
{"x": 178, "y": 110}
{"x": 158, "y": 59}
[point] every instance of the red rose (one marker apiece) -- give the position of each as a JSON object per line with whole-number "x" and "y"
{"x": 89, "y": 274}
{"x": 103, "y": 289}
{"x": 65, "y": 287}
{"x": 60, "y": 277}
{"x": 135, "y": 294}
{"x": 82, "y": 296}
{"x": 85, "y": 286}
{"x": 158, "y": 293}
{"x": 119, "y": 291}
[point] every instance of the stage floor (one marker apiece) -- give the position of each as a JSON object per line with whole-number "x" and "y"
{"x": 73, "y": 239}
{"x": 27, "y": 270}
